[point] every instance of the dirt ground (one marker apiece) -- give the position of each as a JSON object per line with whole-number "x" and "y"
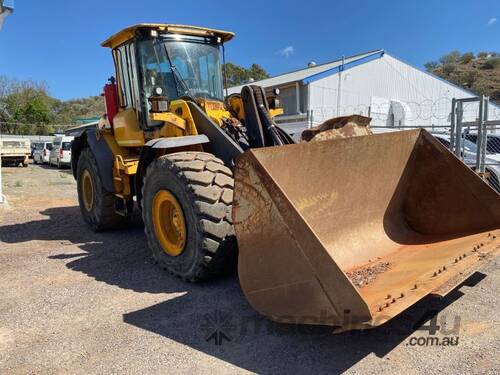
{"x": 72, "y": 301}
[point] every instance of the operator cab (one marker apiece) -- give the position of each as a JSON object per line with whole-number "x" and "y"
{"x": 156, "y": 64}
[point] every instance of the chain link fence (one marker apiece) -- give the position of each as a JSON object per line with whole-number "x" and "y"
{"x": 477, "y": 142}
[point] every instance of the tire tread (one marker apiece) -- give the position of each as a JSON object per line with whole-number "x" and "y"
{"x": 209, "y": 185}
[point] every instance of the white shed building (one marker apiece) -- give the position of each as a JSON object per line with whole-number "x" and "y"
{"x": 374, "y": 84}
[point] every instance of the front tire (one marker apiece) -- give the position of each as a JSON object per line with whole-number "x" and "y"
{"x": 195, "y": 190}
{"x": 98, "y": 206}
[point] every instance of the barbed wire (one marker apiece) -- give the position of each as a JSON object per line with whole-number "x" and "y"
{"x": 37, "y": 124}
{"x": 379, "y": 108}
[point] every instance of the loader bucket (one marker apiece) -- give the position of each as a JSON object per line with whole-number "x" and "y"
{"x": 350, "y": 232}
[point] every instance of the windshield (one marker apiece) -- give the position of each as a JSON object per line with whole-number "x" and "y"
{"x": 66, "y": 146}
{"x": 493, "y": 145}
{"x": 468, "y": 146}
{"x": 181, "y": 67}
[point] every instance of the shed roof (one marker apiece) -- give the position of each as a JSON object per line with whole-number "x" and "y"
{"x": 309, "y": 72}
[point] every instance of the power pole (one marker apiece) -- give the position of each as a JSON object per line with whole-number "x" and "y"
{"x": 6, "y": 8}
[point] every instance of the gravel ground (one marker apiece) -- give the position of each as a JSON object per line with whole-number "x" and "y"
{"x": 72, "y": 301}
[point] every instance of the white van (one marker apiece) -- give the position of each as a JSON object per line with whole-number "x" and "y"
{"x": 41, "y": 152}
{"x": 60, "y": 155}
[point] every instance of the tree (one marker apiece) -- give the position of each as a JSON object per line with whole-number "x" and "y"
{"x": 24, "y": 106}
{"x": 27, "y": 108}
{"x": 449, "y": 68}
{"x": 257, "y": 73}
{"x": 467, "y": 79}
{"x": 467, "y": 58}
{"x": 491, "y": 63}
{"x": 431, "y": 65}
{"x": 480, "y": 73}
{"x": 451, "y": 58}
{"x": 238, "y": 75}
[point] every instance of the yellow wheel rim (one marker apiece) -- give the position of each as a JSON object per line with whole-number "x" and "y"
{"x": 169, "y": 223}
{"x": 88, "y": 190}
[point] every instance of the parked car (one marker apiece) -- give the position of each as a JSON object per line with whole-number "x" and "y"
{"x": 492, "y": 146}
{"x": 469, "y": 158}
{"x": 60, "y": 155}
{"x": 492, "y": 143}
{"x": 15, "y": 151}
{"x": 41, "y": 153}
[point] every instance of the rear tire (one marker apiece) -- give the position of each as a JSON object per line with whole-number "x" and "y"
{"x": 203, "y": 187}
{"x": 96, "y": 205}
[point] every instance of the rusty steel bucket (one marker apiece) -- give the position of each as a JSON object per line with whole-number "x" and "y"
{"x": 350, "y": 232}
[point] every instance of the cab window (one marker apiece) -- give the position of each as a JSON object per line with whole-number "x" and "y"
{"x": 126, "y": 75}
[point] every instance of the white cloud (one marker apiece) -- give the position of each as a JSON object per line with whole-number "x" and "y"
{"x": 287, "y": 51}
{"x": 491, "y": 21}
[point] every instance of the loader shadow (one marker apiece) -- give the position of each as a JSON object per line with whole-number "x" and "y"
{"x": 213, "y": 318}
{"x": 119, "y": 257}
{"x": 225, "y": 326}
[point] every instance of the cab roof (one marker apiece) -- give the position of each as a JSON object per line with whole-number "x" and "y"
{"x": 129, "y": 32}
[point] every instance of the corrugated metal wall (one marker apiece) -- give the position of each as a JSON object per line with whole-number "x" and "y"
{"x": 391, "y": 92}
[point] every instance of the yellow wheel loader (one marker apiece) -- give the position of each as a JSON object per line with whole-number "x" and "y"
{"x": 346, "y": 232}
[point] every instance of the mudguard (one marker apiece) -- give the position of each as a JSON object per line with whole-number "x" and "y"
{"x": 102, "y": 153}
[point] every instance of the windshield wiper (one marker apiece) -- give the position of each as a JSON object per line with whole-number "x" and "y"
{"x": 178, "y": 78}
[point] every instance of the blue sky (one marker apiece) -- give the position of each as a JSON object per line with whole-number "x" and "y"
{"x": 58, "y": 41}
